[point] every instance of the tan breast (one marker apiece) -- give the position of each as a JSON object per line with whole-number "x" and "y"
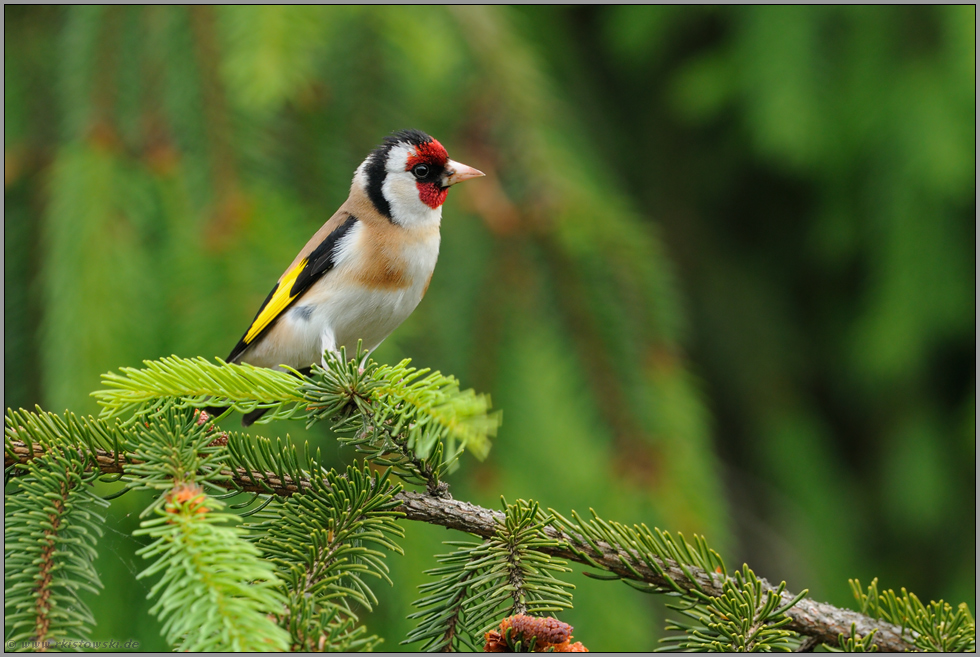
{"x": 391, "y": 257}
{"x": 396, "y": 258}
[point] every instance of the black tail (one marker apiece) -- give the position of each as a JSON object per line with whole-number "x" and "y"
{"x": 214, "y": 411}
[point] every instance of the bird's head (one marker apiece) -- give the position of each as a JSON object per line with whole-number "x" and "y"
{"x": 408, "y": 176}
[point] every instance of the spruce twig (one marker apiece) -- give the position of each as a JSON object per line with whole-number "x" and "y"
{"x": 415, "y": 421}
{"x": 52, "y": 524}
{"x": 214, "y": 591}
{"x": 504, "y": 575}
{"x": 808, "y": 617}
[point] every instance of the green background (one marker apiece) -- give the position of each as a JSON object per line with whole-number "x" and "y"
{"x": 719, "y": 277}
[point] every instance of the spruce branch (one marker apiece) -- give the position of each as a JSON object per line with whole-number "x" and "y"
{"x": 214, "y": 591}
{"x": 808, "y": 617}
{"x": 505, "y": 575}
{"x": 443, "y": 622}
{"x": 318, "y": 627}
{"x": 936, "y": 627}
{"x": 194, "y": 383}
{"x": 50, "y": 531}
{"x": 431, "y": 406}
{"x": 852, "y": 643}
{"x": 172, "y": 452}
{"x": 415, "y": 421}
{"x": 745, "y": 618}
{"x": 324, "y": 543}
{"x": 170, "y": 448}
{"x": 324, "y": 540}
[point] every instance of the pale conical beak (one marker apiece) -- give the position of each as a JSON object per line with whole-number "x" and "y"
{"x": 457, "y": 172}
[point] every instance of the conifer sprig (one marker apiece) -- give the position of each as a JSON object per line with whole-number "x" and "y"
{"x": 41, "y": 430}
{"x": 480, "y": 583}
{"x": 215, "y": 590}
{"x": 194, "y": 383}
{"x": 256, "y": 454}
{"x": 52, "y": 523}
{"x": 429, "y": 407}
{"x": 324, "y": 542}
{"x": 416, "y": 421}
{"x": 746, "y": 618}
{"x": 854, "y": 642}
{"x": 936, "y": 627}
{"x": 682, "y": 566}
{"x": 651, "y": 548}
{"x": 319, "y": 627}
{"x": 171, "y": 447}
{"x": 744, "y": 615}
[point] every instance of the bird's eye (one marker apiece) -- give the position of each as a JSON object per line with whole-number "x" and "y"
{"x": 420, "y": 171}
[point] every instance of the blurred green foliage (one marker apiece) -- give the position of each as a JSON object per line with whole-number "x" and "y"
{"x": 719, "y": 276}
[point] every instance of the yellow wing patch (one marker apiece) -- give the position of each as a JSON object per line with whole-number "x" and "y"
{"x": 280, "y": 299}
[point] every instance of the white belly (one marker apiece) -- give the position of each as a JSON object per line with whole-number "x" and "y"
{"x": 337, "y": 320}
{"x": 360, "y": 314}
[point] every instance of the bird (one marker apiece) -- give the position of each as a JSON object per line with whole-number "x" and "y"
{"x": 366, "y": 269}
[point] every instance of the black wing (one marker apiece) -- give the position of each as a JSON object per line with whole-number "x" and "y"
{"x": 292, "y": 286}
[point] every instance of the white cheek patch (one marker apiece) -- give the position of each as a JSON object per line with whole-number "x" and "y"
{"x": 400, "y": 191}
{"x": 407, "y": 209}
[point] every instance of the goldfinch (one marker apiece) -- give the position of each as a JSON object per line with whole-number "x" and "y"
{"x": 368, "y": 266}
